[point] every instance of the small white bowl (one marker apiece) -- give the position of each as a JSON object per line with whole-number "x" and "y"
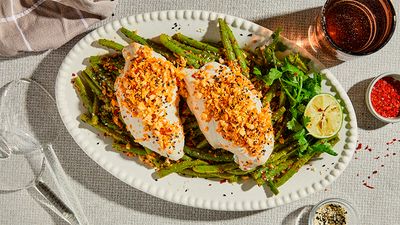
{"x": 396, "y": 76}
{"x": 352, "y": 215}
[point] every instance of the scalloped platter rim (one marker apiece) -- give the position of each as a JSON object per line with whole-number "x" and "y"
{"x": 196, "y": 192}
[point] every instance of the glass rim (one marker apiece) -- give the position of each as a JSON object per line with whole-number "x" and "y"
{"x": 340, "y": 201}
{"x": 387, "y": 39}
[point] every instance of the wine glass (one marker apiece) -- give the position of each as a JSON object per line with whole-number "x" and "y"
{"x": 28, "y": 125}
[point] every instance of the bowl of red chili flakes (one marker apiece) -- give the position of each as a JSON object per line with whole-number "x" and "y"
{"x": 383, "y": 97}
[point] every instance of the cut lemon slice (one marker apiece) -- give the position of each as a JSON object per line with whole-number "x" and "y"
{"x": 325, "y": 115}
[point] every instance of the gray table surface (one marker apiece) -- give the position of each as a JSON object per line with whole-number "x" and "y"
{"x": 106, "y": 200}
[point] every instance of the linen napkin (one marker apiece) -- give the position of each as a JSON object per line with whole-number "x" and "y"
{"x": 38, "y": 25}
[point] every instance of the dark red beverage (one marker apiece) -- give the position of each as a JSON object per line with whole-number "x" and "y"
{"x": 358, "y": 27}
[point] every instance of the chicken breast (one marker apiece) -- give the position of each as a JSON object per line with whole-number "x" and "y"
{"x": 230, "y": 114}
{"x": 147, "y": 94}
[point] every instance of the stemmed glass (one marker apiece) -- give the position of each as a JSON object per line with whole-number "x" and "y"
{"x": 28, "y": 126}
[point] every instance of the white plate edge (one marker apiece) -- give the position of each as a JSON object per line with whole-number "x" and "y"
{"x": 191, "y": 201}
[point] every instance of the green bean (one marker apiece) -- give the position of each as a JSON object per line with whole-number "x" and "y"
{"x": 333, "y": 140}
{"x": 95, "y": 109}
{"x": 80, "y": 88}
{"x": 111, "y": 44}
{"x": 278, "y": 114}
{"x": 272, "y": 170}
{"x": 207, "y": 57}
{"x": 178, "y": 167}
{"x": 202, "y": 144}
{"x": 201, "y": 58}
{"x": 95, "y": 59}
{"x": 167, "y": 42}
{"x": 186, "y": 158}
{"x": 271, "y": 93}
{"x": 147, "y": 150}
{"x": 135, "y": 150}
{"x": 282, "y": 98}
{"x": 241, "y": 172}
{"x": 92, "y": 76}
{"x": 85, "y": 118}
{"x": 106, "y": 121}
{"x": 192, "y": 125}
{"x": 91, "y": 84}
{"x": 281, "y": 129}
{"x": 228, "y": 50}
{"x": 138, "y": 39}
{"x": 301, "y": 162}
{"x": 133, "y": 36}
{"x": 214, "y": 168}
{"x": 296, "y": 166}
{"x": 194, "y": 43}
{"x": 272, "y": 187}
{"x": 236, "y": 48}
{"x": 229, "y": 177}
{"x": 215, "y": 156}
{"x": 277, "y": 155}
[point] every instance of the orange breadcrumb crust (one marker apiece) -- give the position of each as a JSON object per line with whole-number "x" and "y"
{"x": 228, "y": 101}
{"x": 148, "y": 86}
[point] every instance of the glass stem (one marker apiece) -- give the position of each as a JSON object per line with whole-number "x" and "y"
{"x": 4, "y": 149}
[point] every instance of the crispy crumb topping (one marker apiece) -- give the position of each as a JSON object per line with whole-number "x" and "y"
{"x": 149, "y": 87}
{"x": 229, "y": 100}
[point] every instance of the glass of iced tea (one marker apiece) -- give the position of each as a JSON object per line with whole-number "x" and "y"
{"x": 346, "y": 29}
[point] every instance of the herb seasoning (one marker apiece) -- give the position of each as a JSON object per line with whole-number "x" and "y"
{"x": 331, "y": 214}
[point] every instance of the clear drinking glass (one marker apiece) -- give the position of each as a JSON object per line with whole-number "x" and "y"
{"x": 346, "y": 29}
{"x": 28, "y": 126}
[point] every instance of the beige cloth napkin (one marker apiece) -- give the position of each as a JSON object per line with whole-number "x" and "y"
{"x": 38, "y": 25}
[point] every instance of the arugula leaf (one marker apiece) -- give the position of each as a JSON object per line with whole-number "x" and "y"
{"x": 269, "y": 51}
{"x": 272, "y": 75}
{"x": 324, "y": 147}
{"x": 300, "y": 136}
{"x": 301, "y": 108}
{"x": 299, "y": 61}
{"x": 306, "y": 120}
{"x": 293, "y": 70}
{"x": 257, "y": 72}
{"x": 294, "y": 125}
{"x": 312, "y": 86}
{"x": 276, "y": 35}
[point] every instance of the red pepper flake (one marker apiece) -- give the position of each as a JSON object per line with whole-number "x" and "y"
{"x": 392, "y": 141}
{"x": 359, "y": 146}
{"x": 222, "y": 181}
{"x": 368, "y": 186}
{"x": 385, "y": 97}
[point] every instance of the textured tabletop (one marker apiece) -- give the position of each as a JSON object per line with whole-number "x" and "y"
{"x": 107, "y": 200}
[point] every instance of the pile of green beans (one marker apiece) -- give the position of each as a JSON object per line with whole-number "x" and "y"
{"x": 95, "y": 86}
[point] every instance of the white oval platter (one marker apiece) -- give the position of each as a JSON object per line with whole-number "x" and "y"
{"x": 196, "y": 192}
